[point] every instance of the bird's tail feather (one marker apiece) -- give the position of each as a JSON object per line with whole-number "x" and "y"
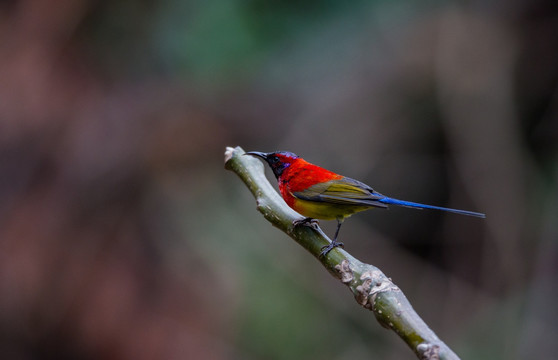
{"x": 391, "y": 201}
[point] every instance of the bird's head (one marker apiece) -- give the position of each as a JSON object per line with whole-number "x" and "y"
{"x": 278, "y": 160}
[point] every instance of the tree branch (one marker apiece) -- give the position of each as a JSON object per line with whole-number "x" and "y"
{"x": 371, "y": 288}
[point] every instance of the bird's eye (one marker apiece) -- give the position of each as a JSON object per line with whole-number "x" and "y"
{"x": 274, "y": 159}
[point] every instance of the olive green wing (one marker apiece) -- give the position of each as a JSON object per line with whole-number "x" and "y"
{"x": 344, "y": 191}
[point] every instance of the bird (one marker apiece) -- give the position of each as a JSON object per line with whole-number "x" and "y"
{"x": 318, "y": 193}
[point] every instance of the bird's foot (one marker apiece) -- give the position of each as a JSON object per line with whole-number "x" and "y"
{"x": 313, "y": 223}
{"x": 326, "y": 249}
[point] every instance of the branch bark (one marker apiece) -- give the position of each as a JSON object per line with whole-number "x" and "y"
{"x": 371, "y": 288}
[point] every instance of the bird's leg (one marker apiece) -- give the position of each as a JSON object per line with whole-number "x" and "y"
{"x": 326, "y": 249}
{"x": 313, "y": 223}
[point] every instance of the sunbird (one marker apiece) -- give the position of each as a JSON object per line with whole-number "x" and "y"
{"x": 317, "y": 193}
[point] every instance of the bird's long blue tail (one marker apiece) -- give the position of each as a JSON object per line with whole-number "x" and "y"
{"x": 390, "y": 201}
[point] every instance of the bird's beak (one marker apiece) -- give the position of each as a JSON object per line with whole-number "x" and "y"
{"x": 257, "y": 153}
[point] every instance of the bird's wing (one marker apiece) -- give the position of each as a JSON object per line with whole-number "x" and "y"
{"x": 344, "y": 191}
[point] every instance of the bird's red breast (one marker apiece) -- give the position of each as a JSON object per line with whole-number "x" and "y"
{"x": 299, "y": 176}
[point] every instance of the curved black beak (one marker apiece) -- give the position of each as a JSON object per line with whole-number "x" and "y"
{"x": 257, "y": 153}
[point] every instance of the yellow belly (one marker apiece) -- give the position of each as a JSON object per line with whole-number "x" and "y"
{"x": 326, "y": 211}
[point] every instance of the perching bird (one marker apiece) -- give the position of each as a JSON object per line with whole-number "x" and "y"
{"x": 317, "y": 193}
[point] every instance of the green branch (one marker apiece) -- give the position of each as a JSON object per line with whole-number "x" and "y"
{"x": 371, "y": 288}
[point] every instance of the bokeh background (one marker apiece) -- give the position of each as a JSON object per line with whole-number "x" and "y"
{"x": 123, "y": 237}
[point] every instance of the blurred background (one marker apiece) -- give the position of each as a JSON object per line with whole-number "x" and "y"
{"x": 123, "y": 237}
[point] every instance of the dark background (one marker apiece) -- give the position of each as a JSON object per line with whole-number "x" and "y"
{"x": 122, "y": 236}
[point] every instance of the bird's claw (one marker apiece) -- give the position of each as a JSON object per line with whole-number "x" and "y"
{"x": 326, "y": 249}
{"x": 313, "y": 223}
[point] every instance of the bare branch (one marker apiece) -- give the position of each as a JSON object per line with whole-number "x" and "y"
{"x": 371, "y": 288}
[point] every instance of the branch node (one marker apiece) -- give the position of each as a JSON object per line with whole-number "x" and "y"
{"x": 345, "y": 271}
{"x": 428, "y": 351}
{"x": 363, "y": 290}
